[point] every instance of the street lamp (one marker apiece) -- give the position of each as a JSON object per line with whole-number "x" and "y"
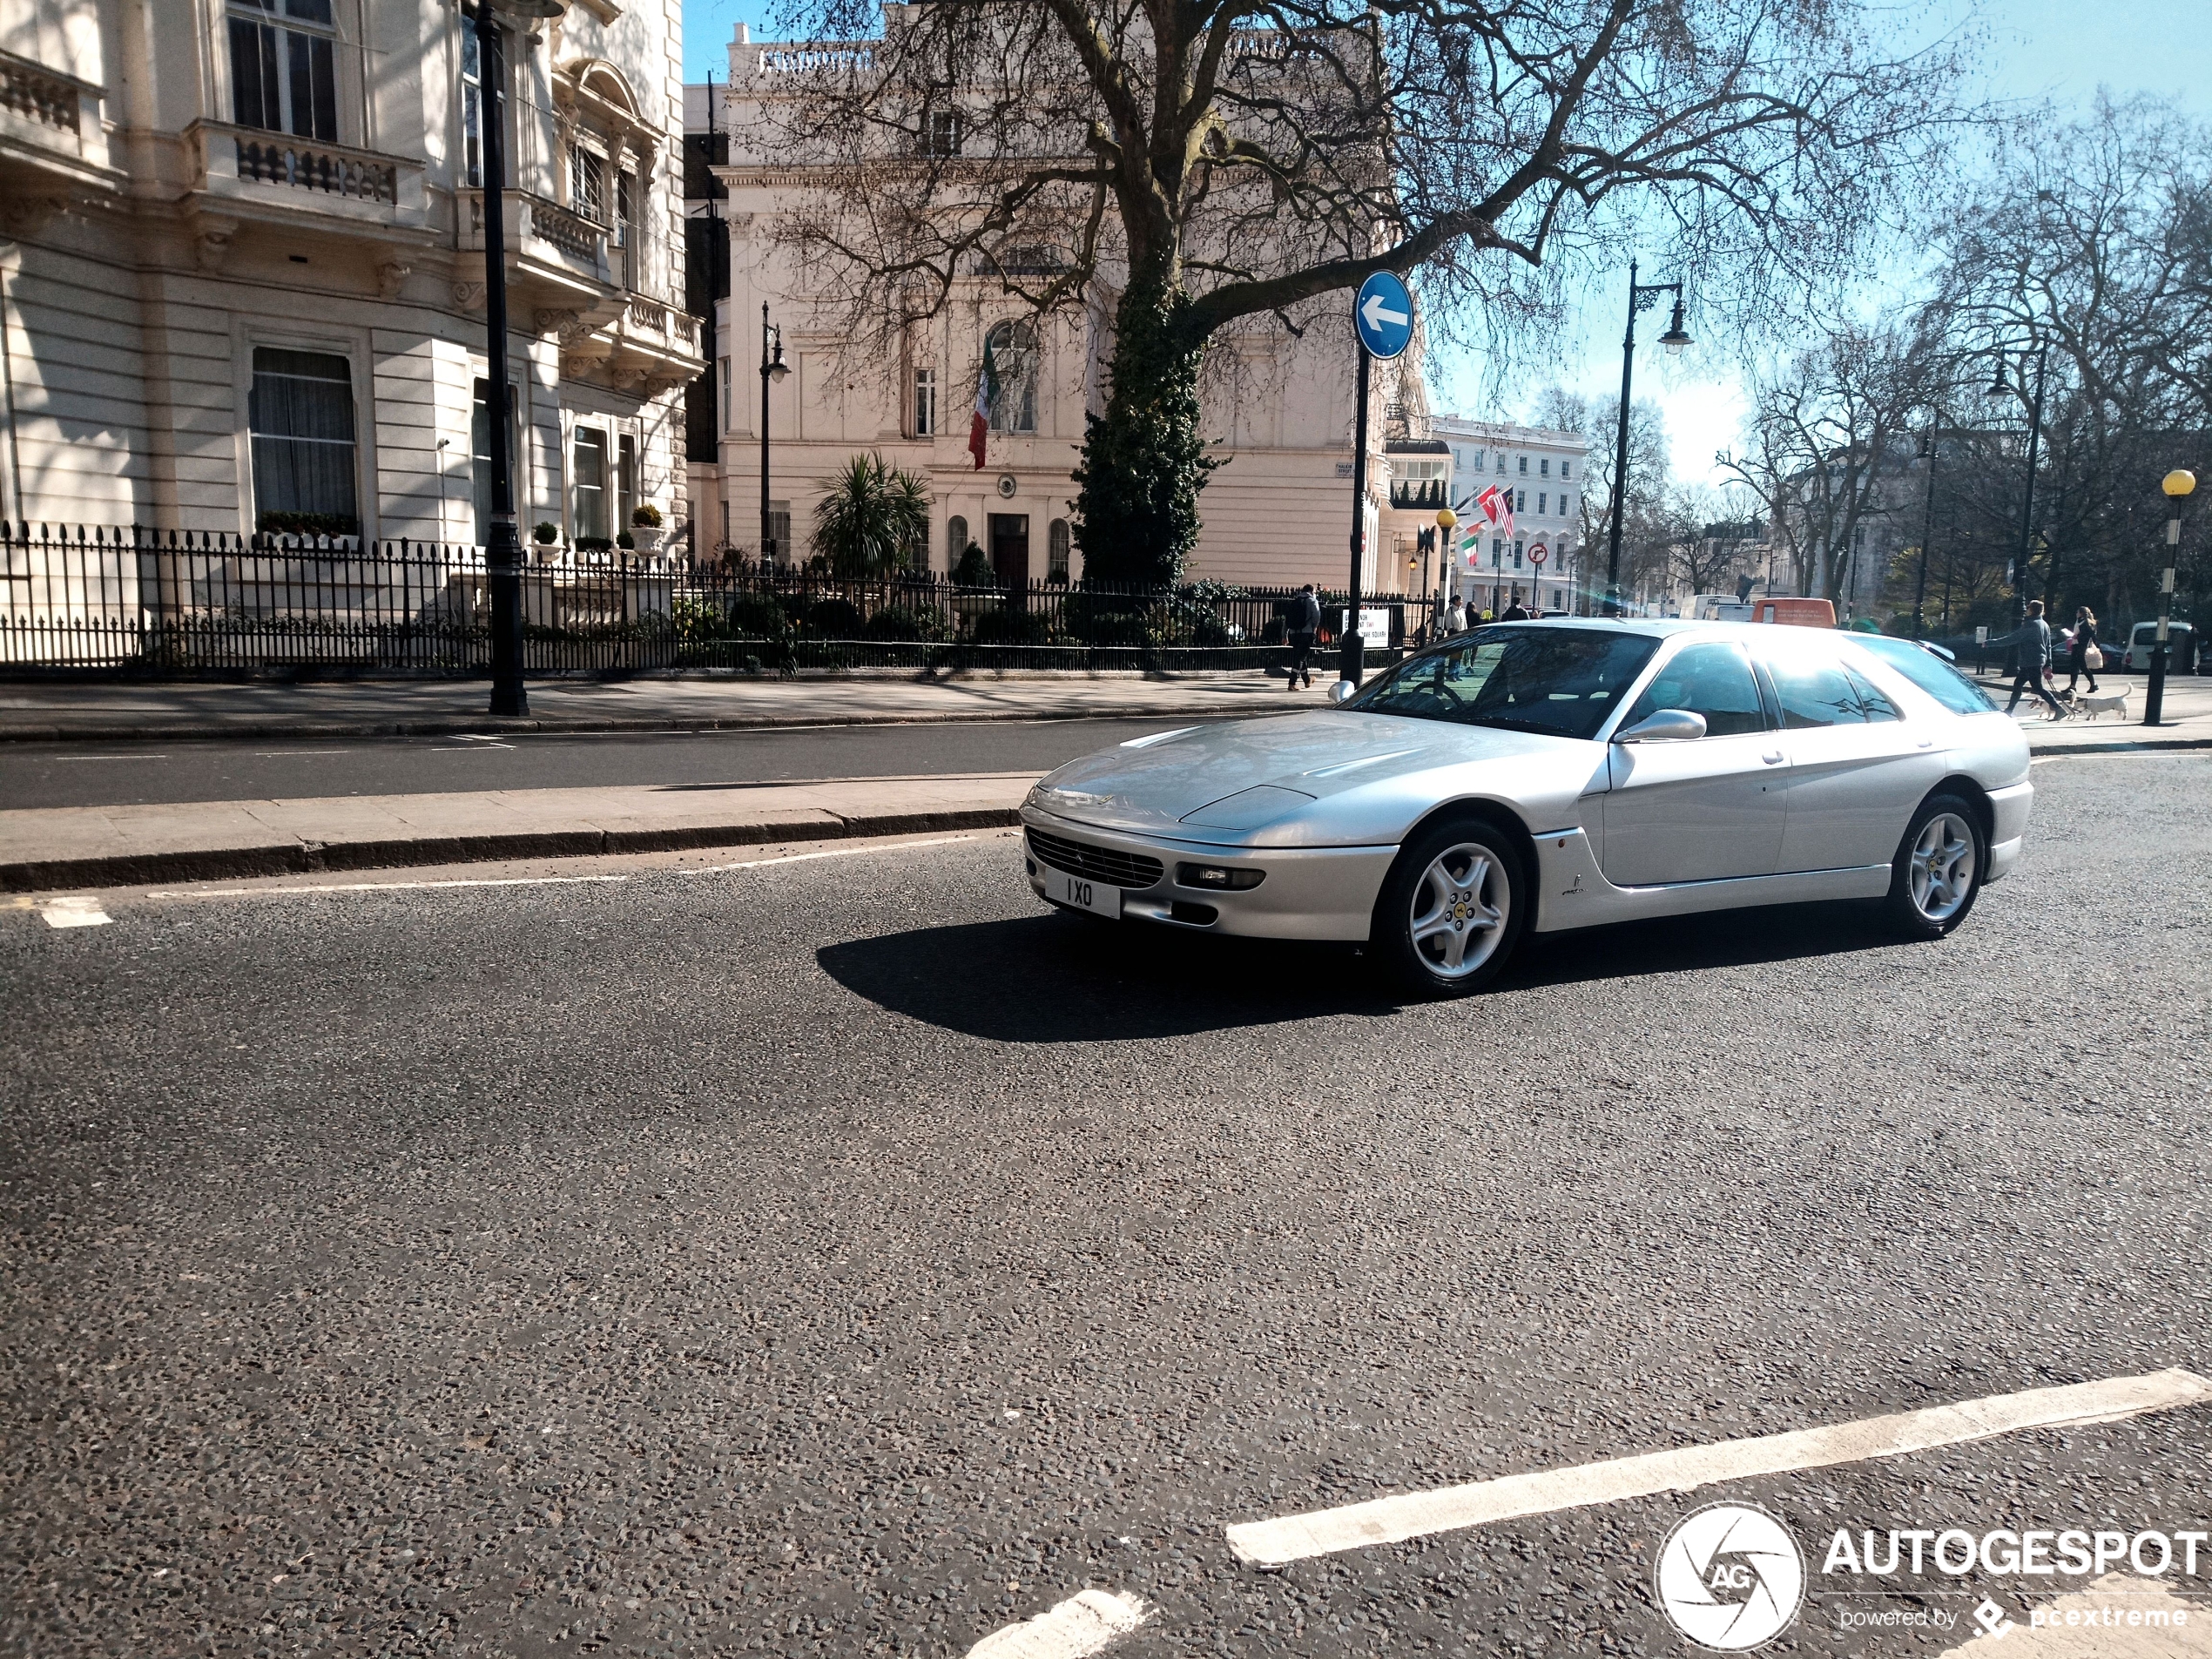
{"x": 773, "y": 369}
{"x": 2039, "y": 349}
{"x": 1446, "y": 522}
{"x": 502, "y": 546}
{"x": 2178, "y": 484}
{"x": 1642, "y": 297}
{"x": 1928, "y": 522}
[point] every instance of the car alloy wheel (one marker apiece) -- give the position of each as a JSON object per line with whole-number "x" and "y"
{"x": 1451, "y": 911}
{"x": 1939, "y": 867}
{"x": 1941, "y": 873}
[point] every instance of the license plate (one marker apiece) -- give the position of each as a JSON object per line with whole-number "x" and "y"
{"x": 1062, "y": 889}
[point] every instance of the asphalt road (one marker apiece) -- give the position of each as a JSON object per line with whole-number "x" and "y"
{"x": 106, "y": 775}
{"x": 841, "y": 1257}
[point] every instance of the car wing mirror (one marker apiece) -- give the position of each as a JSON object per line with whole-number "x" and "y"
{"x": 1668, "y": 726}
{"x": 1342, "y": 692}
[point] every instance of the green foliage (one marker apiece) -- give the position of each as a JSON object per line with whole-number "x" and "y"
{"x": 282, "y": 523}
{"x": 870, "y": 518}
{"x": 834, "y": 619}
{"x": 897, "y": 623}
{"x": 973, "y": 569}
{"x": 1144, "y": 460}
{"x": 1007, "y": 627}
{"x": 546, "y": 532}
{"x": 645, "y": 514}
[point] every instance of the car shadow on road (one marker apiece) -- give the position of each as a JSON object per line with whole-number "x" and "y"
{"x": 1069, "y": 978}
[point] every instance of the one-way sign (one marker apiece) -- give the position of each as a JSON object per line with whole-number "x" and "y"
{"x": 1384, "y": 315}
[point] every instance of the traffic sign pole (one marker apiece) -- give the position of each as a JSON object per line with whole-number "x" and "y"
{"x": 1351, "y": 660}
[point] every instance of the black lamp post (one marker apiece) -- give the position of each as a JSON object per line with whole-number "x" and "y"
{"x": 772, "y": 368}
{"x": 1642, "y": 297}
{"x": 503, "y": 547}
{"x": 1927, "y": 523}
{"x": 2039, "y": 349}
{"x": 2178, "y": 485}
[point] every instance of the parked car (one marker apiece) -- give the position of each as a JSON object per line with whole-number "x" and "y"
{"x": 2180, "y": 647}
{"x": 1545, "y": 776}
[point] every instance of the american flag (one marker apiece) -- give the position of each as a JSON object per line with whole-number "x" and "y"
{"x": 1497, "y": 507}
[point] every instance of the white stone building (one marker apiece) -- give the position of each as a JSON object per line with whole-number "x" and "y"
{"x": 1544, "y": 468}
{"x": 241, "y": 269}
{"x": 1278, "y": 512}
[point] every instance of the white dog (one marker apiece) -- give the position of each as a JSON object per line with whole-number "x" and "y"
{"x": 2095, "y": 703}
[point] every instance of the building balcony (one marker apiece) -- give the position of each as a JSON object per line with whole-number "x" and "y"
{"x": 555, "y": 257}
{"x": 645, "y": 345}
{"x": 303, "y": 184}
{"x": 52, "y": 142}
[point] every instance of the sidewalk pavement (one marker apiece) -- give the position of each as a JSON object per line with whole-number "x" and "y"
{"x": 2185, "y": 722}
{"x": 46, "y": 711}
{"x": 51, "y": 847}
{"x": 64, "y": 847}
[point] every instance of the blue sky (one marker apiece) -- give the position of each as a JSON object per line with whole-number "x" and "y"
{"x": 2031, "y": 50}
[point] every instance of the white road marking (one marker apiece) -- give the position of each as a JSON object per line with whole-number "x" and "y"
{"x": 384, "y": 887}
{"x": 125, "y": 757}
{"x": 1085, "y": 1623}
{"x": 2127, "y": 754}
{"x": 1416, "y": 1514}
{"x": 74, "y": 910}
{"x": 834, "y": 852}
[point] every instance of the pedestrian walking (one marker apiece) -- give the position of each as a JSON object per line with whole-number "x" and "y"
{"x": 1304, "y": 626}
{"x": 2086, "y": 656}
{"x": 1455, "y": 615}
{"x": 1516, "y": 611}
{"x": 2032, "y": 659}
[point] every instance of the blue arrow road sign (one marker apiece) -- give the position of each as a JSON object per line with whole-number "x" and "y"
{"x": 1384, "y": 315}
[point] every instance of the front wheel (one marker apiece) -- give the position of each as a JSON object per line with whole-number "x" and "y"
{"x": 1938, "y": 871}
{"x": 1452, "y": 907}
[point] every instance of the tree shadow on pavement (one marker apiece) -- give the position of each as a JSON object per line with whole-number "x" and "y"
{"x": 1068, "y": 979}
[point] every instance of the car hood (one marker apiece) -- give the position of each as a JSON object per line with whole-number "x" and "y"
{"x": 1253, "y": 781}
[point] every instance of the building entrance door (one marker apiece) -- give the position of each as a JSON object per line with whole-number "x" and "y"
{"x": 1010, "y": 549}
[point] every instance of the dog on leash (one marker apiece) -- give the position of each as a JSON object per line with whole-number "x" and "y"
{"x": 2091, "y": 703}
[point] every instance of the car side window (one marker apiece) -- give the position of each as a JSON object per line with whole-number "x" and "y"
{"x": 1714, "y": 680}
{"x": 1877, "y": 706}
{"x": 1813, "y": 692}
{"x": 1931, "y": 674}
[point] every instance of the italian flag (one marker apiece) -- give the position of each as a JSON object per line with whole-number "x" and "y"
{"x": 986, "y": 393}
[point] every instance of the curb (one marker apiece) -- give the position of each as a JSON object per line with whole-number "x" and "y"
{"x": 2057, "y": 750}
{"x": 306, "y": 858}
{"x": 489, "y": 726}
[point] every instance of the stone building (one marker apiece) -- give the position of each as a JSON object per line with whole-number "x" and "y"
{"x": 1279, "y": 511}
{"x": 242, "y": 276}
{"x": 1544, "y": 468}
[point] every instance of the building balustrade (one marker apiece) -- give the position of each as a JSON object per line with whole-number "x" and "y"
{"x": 261, "y": 170}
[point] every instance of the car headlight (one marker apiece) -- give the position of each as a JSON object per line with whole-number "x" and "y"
{"x": 1220, "y": 876}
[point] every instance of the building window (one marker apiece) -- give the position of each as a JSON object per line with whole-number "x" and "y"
{"x": 625, "y": 480}
{"x": 779, "y": 531}
{"x": 588, "y": 182}
{"x": 729, "y": 412}
{"x": 1562, "y": 470}
{"x": 1517, "y": 549}
{"x": 1542, "y": 506}
{"x": 955, "y": 541}
{"x": 1502, "y": 464}
{"x": 301, "y": 414}
{"x": 941, "y": 133}
{"x": 1563, "y": 499}
{"x": 624, "y": 237}
{"x": 1544, "y": 468}
{"x": 1497, "y": 550}
{"x": 925, "y": 402}
{"x": 588, "y": 514}
{"x": 480, "y": 460}
{"x": 1013, "y": 349}
{"x": 1057, "y": 543}
{"x": 284, "y": 73}
{"x": 1524, "y": 466}
{"x": 472, "y": 115}
{"x": 725, "y": 525}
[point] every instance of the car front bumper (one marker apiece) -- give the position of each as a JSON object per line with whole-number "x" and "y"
{"x": 1308, "y": 892}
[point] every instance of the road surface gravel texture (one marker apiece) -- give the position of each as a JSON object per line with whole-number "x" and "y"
{"x": 844, "y": 1257}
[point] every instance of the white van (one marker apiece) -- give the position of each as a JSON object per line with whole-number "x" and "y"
{"x": 2181, "y": 648}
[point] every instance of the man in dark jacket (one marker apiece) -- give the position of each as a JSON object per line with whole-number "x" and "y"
{"x": 1304, "y": 622}
{"x": 1516, "y": 611}
{"x": 2032, "y": 643}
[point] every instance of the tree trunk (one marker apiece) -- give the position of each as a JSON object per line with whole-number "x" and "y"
{"x": 1144, "y": 460}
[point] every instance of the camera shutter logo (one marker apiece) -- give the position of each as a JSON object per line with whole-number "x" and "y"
{"x": 1731, "y": 1577}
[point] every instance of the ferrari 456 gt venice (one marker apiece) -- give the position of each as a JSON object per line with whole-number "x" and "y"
{"x": 1552, "y": 775}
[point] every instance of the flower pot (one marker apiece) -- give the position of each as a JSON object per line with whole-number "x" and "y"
{"x": 647, "y": 537}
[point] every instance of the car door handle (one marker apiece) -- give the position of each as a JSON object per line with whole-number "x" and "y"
{"x": 1926, "y": 743}
{"x": 1774, "y": 759}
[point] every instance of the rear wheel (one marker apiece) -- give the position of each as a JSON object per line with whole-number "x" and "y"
{"x": 1452, "y": 909}
{"x": 1938, "y": 871}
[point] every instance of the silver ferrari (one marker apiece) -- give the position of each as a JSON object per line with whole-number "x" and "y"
{"x": 1543, "y": 776}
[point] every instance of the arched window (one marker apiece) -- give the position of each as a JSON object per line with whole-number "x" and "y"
{"x": 1057, "y": 551}
{"x": 1012, "y": 348}
{"x": 955, "y": 541}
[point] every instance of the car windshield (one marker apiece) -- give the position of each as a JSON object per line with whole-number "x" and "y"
{"x": 1929, "y": 672}
{"x": 1561, "y": 682}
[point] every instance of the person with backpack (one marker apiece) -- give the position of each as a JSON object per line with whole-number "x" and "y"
{"x": 1303, "y": 627}
{"x": 2086, "y": 656}
{"x": 2032, "y": 644}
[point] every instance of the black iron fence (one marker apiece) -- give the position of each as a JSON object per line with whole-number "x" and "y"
{"x": 116, "y": 602}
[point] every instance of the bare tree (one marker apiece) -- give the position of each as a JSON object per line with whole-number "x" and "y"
{"x": 1197, "y": 166}
{"x": 1651, "y": 477}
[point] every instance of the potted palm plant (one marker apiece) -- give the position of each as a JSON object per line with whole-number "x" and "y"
{"x": 870, "y": 518}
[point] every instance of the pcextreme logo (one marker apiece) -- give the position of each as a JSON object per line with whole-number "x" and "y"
{"x": 1731, "y": 1577}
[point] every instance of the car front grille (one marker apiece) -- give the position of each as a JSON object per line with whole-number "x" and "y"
{"x": 1095, "y": 863}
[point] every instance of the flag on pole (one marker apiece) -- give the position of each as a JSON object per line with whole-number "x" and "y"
{"x": 986, "y": 393}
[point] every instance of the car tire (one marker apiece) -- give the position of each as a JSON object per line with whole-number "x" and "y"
{"x": 1444, "y": 926}
{"x": 1938, "y": 869}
